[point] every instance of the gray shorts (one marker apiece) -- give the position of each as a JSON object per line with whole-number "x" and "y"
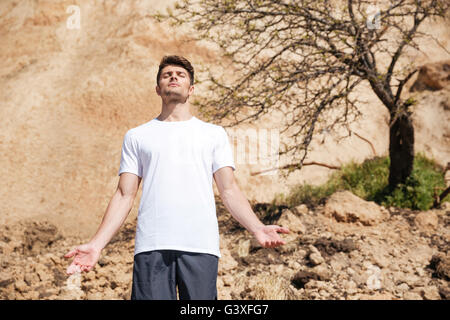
{"x": 156, "y": 274}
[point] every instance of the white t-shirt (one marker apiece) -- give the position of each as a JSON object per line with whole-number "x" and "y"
{"x": 176, "y": 161}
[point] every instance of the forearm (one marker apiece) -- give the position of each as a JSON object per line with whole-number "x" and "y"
{"x": 116, "y": 213}
{"x": 239, "y": 207}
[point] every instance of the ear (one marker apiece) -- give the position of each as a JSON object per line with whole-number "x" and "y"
{"x": 191, "y": 90}
{"x": 158, "y": 90}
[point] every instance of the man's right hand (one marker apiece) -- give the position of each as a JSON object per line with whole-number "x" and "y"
{"x": 86, "y": 257}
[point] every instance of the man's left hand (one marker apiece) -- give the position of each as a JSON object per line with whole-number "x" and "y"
{"x": 268, "y": 237}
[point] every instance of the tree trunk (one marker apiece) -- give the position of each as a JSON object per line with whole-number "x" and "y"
{"x": 401, "y": 149}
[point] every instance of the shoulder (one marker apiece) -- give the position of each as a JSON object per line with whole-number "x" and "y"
{"x": 138, "y": 131}
{"x": 214, "y": 128}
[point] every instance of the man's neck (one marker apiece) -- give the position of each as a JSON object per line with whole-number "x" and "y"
{"x": 175, "y": 112}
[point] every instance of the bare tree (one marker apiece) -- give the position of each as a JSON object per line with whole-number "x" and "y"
{"x": 305, "y": 58}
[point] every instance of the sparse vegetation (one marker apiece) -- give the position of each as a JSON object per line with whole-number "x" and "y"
{"x": 369, "y": 181}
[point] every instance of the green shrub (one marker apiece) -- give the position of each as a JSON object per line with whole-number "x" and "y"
{"x": 369, "y": 181}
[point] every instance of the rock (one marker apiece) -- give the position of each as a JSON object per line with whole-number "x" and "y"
{"x": 312, "y": 284}
{"x": 59, "y": 277}
{"x": 272, "y": 287}
{"x": 351, "y": 272}
{"x": 301, "y": 253}
{"x": 12, "y": 246}
{"x": 444, "y": 291}
{"x": 243, "y": 248}
{"x": 350, "y": 287}
{"x": 31, "y": 278}
{"x": 89, "y": 276}
{"x": 301, "y": 209}
{"x": 427, "y": 221}
{"x": 367, "y": 265}
{"x": 316, "y": 258}
{"x": 38, "y": 236}
{"x": 109, "y": 294}
{"x": 123, "y": 278}
{"x": 293, "y": 264}
{"x": 344, "y": 206}
{"x": 313, "y": 249}
{"x": 403, "y": 287}
{"x": 43, "y": 273}
{"x": 440, "y": 264}
{"x": 21, "y": 286}
{"x": 381, "y": 260}
{"x": 432, "y": 76}
{"x": 409, "y": 278}
{"x": 313, "y": 295}
{"x": 53, "y": 258}
{"x": 71, "y": 293}
{"x": 339, "y": 262}
{"x": 324, "y": 294}
{"x": 102, "y": 282}
{"x": 94, "y": 296}
{"x": 291, "y": 221}
{"x": 431, "y": 293}
{"x": 412, "y": 296}
{"x": 227, "y": 262}
{"x": 48, "y": 294}
{"x": 227, "y": 280}
{"x": 290, "y": 246}
{"x": 445, "y": 206}
{"x": 377, "y": 296}
{"x": 6, "y": 279}
{"x": 322, "y": 272}
{"x": 329, "y": 247}
{"x": 31, "y": 295}
{"x": 301, "y": 278}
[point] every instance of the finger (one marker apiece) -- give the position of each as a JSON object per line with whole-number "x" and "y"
{"x": 282, "y": 229}
{"x": 69, "y": 270}
{"x": 86, "y": 268}
{"x": 70, "y": 253}
{"x": 276, "y": 243}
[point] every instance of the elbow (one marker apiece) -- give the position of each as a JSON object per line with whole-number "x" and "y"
{"x": 127, "y": 196}
{"x": 229, "y": 191}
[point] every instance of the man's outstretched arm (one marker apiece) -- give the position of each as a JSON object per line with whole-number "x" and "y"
{"x": 239, "y": 207}
{"x": 87, "y": 255}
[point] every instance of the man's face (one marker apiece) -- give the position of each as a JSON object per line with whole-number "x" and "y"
{"x": 174, "y": 84}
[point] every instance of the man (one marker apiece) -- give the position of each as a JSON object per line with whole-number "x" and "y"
{"x": 177, "y": 235}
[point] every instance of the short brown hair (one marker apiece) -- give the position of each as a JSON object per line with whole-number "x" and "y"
{"x": 177, "y": 61}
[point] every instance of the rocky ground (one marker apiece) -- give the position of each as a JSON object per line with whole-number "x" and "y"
{"x": 345, "y": 249}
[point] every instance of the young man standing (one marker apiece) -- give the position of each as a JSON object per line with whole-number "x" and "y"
{"x": 177, "y": 234}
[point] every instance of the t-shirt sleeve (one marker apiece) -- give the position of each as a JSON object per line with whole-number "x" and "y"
{"x": 130, "y": 160}
{"x": 223, "y": 155}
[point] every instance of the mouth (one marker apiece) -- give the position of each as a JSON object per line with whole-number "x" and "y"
{"x": 173, "y": 85}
